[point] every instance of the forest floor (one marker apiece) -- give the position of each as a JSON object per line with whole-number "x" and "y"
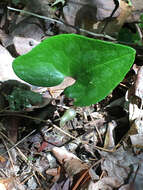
{"x": 41, "y": 146}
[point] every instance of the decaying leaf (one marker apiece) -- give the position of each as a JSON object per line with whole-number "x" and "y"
{"x": 135, "y": 98}
{"x": 105, "y": 183}
{"x": 71, "y": 163}
{"x": 109, "y": 142}
{"x": 24, "y": 45}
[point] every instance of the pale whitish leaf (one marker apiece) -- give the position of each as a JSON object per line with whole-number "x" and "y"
{"x": 58, "y": 1}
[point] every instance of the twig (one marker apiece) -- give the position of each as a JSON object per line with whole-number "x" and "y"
{"x": 3, "y": 173}
{"x": 58, "y": 128}
{"x": 36, "y": 178}
{"x": 63, "y": 23}
{"x": 99, "y": 135}
{"x": 8, "y": 152}
{"x": 18, "y": 142}
{"x": 139, "y": 32}
{"x": 27, "y": 178}
{"x": 22, "y": 155}
{"x": 134, "y": 178}
{"x": 45, "y": 121}
{"x": 97, "y": 162}
{"x": 116, "y": 2}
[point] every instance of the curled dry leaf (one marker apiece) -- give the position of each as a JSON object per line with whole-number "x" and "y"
{"x": 63, "y": 155}
{"x": 109, "y": 139}
{"x": 52, "y": 171}
{"x": 72, "y": 164}
{"x": 55, "y": 172}
{"x": 75, "y": 166}
{"x": 135, "y": 98}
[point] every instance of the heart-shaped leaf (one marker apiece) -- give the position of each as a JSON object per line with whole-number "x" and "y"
{"x": 97, "y": 66}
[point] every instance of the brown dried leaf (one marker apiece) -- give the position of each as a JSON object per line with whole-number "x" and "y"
{"x": 71, "y": 163}
{"x": 75, "y": 166}
{"x": 63, "y": 155}
{"x": 2, "y": 159}
{"x": 126, "y": 11}
{"x": 52, "y": 171}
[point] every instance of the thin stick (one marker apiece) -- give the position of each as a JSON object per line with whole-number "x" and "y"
{"x": 58, "y": 128}
{"x": 63, "y": 23}
{"x": 36, "y": 178}
{"x": 139, "y": 32}
{"x": 8, "y": 152}
{"x": 38, "y": 119}
{"x": 18, "y": 142}
{"x": 27, "y": 178}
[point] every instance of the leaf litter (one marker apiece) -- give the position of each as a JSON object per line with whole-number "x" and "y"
{"x": 101, "y": 148}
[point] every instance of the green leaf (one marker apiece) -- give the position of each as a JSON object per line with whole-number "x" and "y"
{"x": 97, "y": 66}
{"x": 125, "y": 35}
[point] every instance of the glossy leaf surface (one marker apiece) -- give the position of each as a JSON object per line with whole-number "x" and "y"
{"x": 97, "y": 66}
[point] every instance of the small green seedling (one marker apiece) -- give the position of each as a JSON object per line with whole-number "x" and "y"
{"x": 97, "y": 66}
{"x": 68, "y": 115}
